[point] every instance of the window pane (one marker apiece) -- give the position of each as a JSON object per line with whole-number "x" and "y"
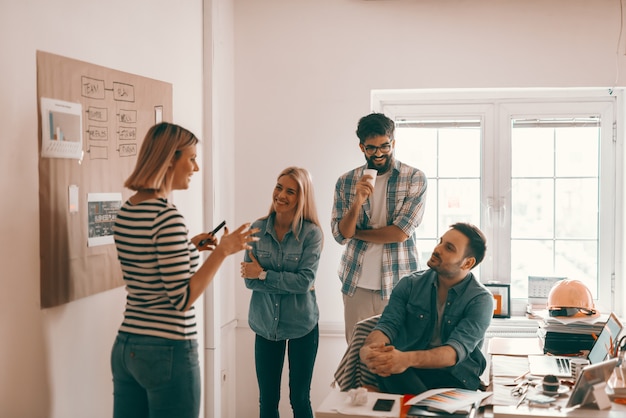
{"x": 418, "y": 148}
{"x": 532, "y": 152}
{"x": 532, "y": 214}
{"x": 576, "y": 213}
{"x": 530, "y": 258}
{"x": 425, "y": 248}
{"x": 459, "y": 152}
{"x": 578, "y": 260}
{"x": 571, "y": 259}
{"x": 577, "y": 152}
{"x": 459, "y": 201}
{"x": 428, "y": 227}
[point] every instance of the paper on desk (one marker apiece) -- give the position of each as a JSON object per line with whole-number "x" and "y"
{"x": 367, "y": 410}
{"x": 508, "y": 366}
{"x": 449, "y": 400}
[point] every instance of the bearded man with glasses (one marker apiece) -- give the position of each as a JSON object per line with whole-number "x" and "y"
{"x": 376, "y": 220}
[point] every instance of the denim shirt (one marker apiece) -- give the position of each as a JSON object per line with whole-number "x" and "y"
{"x": 284, "y": 306}
{"x": 411, "y": 315}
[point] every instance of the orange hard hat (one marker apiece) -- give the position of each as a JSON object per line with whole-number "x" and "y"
{"x": 570, "y": 298}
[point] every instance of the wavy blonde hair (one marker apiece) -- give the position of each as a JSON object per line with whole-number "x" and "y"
{"x": 162, "y": 145}
{"x": 305, "y": 207}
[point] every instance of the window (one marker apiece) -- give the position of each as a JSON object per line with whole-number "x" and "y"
{"x": 534, "y": 170}
{"x": 449, "y": 153}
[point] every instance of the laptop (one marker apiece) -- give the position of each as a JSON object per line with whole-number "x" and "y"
{"x": 560, "y": 366}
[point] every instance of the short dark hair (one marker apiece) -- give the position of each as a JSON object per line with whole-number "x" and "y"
{"x": 374, "y": 124}
{"x": 477, "y": 241}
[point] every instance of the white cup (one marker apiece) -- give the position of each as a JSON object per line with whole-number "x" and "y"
{"x": 577, "y": 364}
{"x": 372, "y": 173}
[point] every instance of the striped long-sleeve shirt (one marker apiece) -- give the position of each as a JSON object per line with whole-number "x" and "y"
{"x": 157, "y": 262}
{"x": 351, "y": 373}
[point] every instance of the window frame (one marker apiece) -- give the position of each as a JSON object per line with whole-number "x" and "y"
{"x": 495, "y": 107}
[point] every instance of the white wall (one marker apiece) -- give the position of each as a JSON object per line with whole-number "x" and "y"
{"x": 287, "y": 84}
{"x": 303, "y": 75}
{"x": 55, "y": 362}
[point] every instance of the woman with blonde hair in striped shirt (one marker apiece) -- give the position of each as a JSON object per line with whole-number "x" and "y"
{"x": 154, "y": 359}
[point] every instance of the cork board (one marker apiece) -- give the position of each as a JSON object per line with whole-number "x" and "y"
{"x": 92, "y": 121}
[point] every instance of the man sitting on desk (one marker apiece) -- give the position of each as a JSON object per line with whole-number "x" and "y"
{"x": 430, "y": 334}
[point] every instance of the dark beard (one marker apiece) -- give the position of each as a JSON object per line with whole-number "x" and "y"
{"x": 381, "y": 169}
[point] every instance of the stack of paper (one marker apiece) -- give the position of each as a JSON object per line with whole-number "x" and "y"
{"x": 572, "y": 325}
{"x": 508, "y": 371}
{"x": 568, "y": 335}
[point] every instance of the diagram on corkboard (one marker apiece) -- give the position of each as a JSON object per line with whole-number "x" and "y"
{"x": 91, "y": 123}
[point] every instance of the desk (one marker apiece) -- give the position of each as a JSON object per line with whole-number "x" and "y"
{"x": 337, "y": 405}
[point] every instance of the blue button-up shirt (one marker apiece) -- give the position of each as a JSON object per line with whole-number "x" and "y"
{"x": 411, "y": 315}
{"x": 284, "y": 306}
{"x": 406, "y": 198}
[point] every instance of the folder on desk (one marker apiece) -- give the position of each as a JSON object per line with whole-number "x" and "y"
{"x": 446, "y": 402}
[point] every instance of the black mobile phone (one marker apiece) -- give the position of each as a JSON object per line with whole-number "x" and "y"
{"x": 215, "y": 231}
{"x": 217, "y": 228}
{"x": 384, "y": 404}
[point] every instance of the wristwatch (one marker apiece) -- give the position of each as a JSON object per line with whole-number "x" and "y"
{"x": 262, "y": 275}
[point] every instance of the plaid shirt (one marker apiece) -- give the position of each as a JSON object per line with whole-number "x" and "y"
{"x": 406, "y": 197}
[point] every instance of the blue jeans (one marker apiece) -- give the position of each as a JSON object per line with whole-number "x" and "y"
{"x": 269, "y": 359}
{"x": 155, "y": 377}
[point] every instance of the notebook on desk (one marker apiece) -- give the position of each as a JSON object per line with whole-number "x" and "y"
{"x": 560, "y": 366}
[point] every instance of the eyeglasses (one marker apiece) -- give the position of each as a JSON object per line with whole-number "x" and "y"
{"x": 371, "y": 149}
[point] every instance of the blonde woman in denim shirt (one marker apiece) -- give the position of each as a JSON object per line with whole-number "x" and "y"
{"x": 280, "y": 270}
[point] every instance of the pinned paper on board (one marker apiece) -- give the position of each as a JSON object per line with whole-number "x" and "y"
{"x": 73, "y": 198}
{"x": 61, "y": 129}
{"x": 103, "y": 209}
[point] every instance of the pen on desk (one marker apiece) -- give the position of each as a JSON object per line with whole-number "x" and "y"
{"x": 474, "y": 411}
{"x": 521, "y": 376}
